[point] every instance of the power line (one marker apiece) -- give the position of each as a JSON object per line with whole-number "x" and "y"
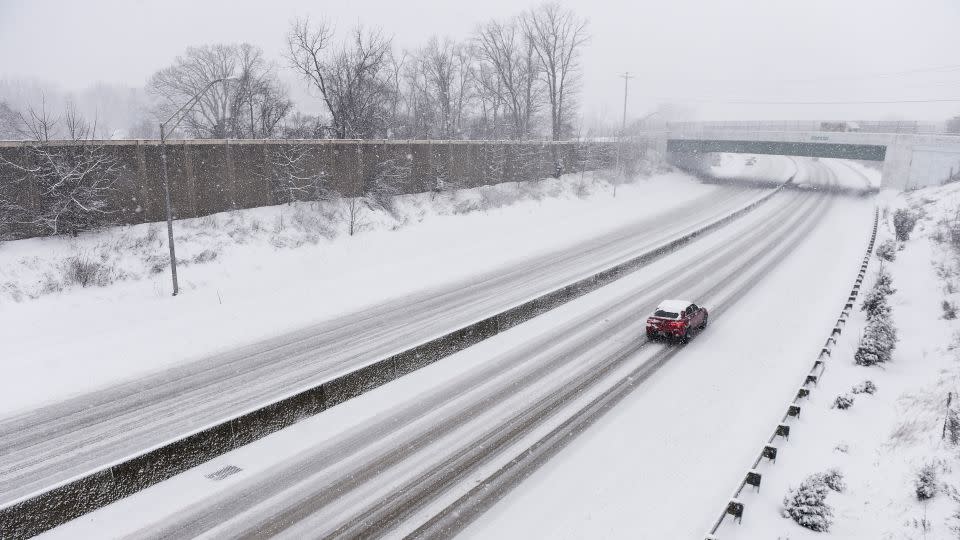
{"x": 882, "y": 75}
{"x": 674, "y": 99}
{"x": 880, "y": 102}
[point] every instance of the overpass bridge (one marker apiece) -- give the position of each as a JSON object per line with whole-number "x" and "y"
{"x": 911, "y": 159}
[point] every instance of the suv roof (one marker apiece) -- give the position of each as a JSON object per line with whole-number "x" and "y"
{"x": 674, "y": 305}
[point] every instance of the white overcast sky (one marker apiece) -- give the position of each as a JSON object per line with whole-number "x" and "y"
{"x": 704, "y": 54}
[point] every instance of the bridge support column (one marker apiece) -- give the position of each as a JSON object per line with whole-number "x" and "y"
{"x": 896, "y": 164}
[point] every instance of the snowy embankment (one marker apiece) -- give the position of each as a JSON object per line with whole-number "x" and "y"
{"x": 249, "y": 275}
{"x": 896, "y": 448}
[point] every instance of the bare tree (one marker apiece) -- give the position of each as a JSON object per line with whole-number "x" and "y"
{"x": 397, "y": 124}
{"x": 557, "y": 35}
{"x": 303, "y": 126}
{"x": 59, "y": 189}
{"x": 510, "y": 56}
{"x": 38, "y": 124}
{"x": 449, "y": 72}
{"x": 9, "y": 123}
{"x": 489, "y": 123}
{"x": 250, "y": 103}
{"x": 355, "y": 207}
{"x": 417, "y": 100}
{"x": 392, "y": 173}
{"x": 293, "y": 177}
{"x": 494, "y": 161}
{"x": 353, "y": 80}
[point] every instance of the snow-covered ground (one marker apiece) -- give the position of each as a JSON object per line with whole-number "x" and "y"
{"x": 842, "y": 173}
{"x": 253, "y": 274}
{"x": 654, "y": 467}
{"x": 882, "y": 441}
{"x": 754, "y": 167}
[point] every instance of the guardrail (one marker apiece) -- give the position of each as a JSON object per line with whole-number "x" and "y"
{"x": 103, "y": 486}
{"x": 735, "y": 507}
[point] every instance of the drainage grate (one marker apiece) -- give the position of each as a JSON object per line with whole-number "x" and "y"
{"x": 229, "y": 470}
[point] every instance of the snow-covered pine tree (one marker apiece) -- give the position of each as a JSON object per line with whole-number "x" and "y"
{"x": 843, "y": 402}
{"x": 903, "y": 223}
{"x": 887, "y": 250}
{"x": 875, "y": 303}
{"x": 884, "y": 282}
{"x": 876, "y": 345}
{"x": 880, "y": 336}
{"x": 807, "y": 505}
{"x": 833, "y": 479}
{"x": 926, "y": 483}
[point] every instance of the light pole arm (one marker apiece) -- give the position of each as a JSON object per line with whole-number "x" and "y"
{"x": 188, "y": 105}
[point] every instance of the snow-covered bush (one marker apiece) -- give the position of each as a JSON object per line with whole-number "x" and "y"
{"x": 903, "y": 223}
{"x": 954, "y": 229}
{"x": 87, "y": 272}
{"x": 866, "y": 387}
{"x": 875, "y": 303}
{"x": 807, "y": 505}
{"x": 884, "y": 282}
{"x": 951, "y": 426}
{"x": 877, "y": 343}
{"x": 887, "y": 250}
{"x": 833, "y": 479}
{"x": 926, "y": 482}
{"x": 880, "y": 336}
{"x": 949, "y": 310}
{"x": 843, "y": 402}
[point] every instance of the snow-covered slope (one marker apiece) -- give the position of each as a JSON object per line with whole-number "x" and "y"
{"x": 883, "y": 441}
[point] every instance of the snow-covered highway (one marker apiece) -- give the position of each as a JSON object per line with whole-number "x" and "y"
{"x": 427, "y": 453}
{"x": 54, "y": 444}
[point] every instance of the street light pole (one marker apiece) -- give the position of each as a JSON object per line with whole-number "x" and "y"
{"x": 626, "y": 79}
{"x": 623, "y": 125}
{"x": 166, "y": 195}
{"x": 166, "y": 180}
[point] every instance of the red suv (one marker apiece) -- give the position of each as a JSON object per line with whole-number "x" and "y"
{"x": 676, "y": 319}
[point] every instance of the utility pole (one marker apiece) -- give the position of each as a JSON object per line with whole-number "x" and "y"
{"x": 623, "y": 124}
{"x": 626, "y": 80}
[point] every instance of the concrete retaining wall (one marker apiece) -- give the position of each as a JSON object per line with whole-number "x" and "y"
{"x": 210, "y": 176}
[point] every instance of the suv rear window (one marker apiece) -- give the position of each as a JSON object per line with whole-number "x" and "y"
{"x": 666, "y": 314}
